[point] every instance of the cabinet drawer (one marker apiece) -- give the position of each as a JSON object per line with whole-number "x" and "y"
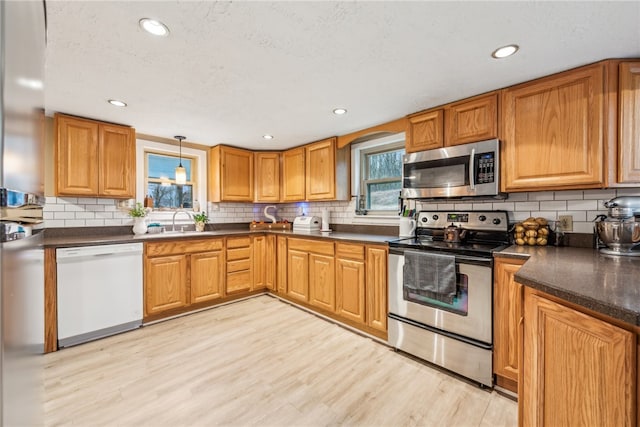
{"x": 346, "y": 250}
{"x": 240, "y": 253}
{"x": 314, "y": 246}
{"x": 238, "y": 242}
{"x": 243, "y": 264}
{"x": 182, "y": 247}
{"x": 239, "y": 281}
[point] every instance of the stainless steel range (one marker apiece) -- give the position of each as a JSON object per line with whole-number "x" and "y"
{"x": 441, "y": 290}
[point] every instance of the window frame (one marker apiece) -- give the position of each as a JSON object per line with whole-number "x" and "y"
{"x": 360, "y": 151}
{"x": 194, "y": 173}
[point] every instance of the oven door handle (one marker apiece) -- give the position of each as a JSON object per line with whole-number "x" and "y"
{"x": 472, "y": 167}
{"x": 459, "y": 258}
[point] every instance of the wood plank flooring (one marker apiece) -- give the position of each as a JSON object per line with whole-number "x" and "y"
{"x": 256, "y": 362}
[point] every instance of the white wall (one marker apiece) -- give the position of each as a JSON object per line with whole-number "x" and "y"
{"x": 583, "y": 206}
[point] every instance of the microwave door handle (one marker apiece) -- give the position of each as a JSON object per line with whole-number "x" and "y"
{"x": 472, "y": 159}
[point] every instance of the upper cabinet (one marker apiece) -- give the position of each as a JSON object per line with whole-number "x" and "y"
{"x": 293, "y": 182}
{"x": 267, "y": 177}
{"x": 629, "y": 123}
{"x": 320, "y": 175}
{"x": 426, "y": 131}
{"x": 230, "y": 174}
{"x": 94, "y": 158}
{"x": 317, "y": 171}
{"x": 471, "y": 120}
{"x": 553, "y": 132}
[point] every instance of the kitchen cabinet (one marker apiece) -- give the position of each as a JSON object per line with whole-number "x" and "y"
{"x": 577, "y": 369}
{"x": 230, "y": 175}
{"x": 94, "y": 158}
{"x": 350, "y": 282}
{"x": 376, "y": 288}
{"x": 426, "y": 131}
{"x": 471, "y": 120}
{"x": 316, "y": 171}
{"x": 264, "y": 262}
{"x": 178, "y": 274}
{"x": 281, "y": 262}
{"x": 507, "y": 322}
{"x": 267, "y": 177}
{"x": 311, "y": 272}
{"x": 293, "y": 175}
{"x": 165, "y": 283}
{"x": 207, "y": 276}
{"x": 239, "y": 265}
{"x": 320, "y": 167}
{"x": 629, "y": 117}
{"x": 552, "y": 135}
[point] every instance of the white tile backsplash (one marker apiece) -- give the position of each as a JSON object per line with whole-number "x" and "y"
{"x": 583, "y": 206}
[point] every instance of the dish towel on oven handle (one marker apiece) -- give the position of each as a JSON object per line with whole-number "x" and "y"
{"x": 431, "y": 275}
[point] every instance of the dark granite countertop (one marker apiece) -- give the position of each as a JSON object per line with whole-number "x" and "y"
{"x": 606, "y": 284}
{"x": 90, "y": 239}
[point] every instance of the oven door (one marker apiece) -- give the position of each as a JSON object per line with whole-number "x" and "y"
{"x": 469, "y": 316}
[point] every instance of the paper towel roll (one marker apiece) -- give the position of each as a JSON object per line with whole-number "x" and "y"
{"x": 325, "y": 220}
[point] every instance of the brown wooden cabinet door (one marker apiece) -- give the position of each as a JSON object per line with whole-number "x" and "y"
{"x": 577, "y": 370}
{"x": 165, "y": 283}
{"x": 298, "y": 275}
{"x": 471, "y": 120}
{"x": 426, "y": 131}
{"x": 76, "y": 156}
{"x": 117, "y": 166}
{"x": 207, "y": 276}
{"x": 376, "y": 287}
{"x": 281, "y": 260}
{"x": 293, "y": 175}
{"x": 629, "y": 130}
{"x": 267, "y": 177}
{"x": 553, "y": 132}
{"x": 270, "y": 262}
{"x": 350, "y": 293}
{"x": 236, "y": 181}
{"x": 507, "y": 315}
{"x": 321, "y": 170}
{"x": 259, "y": 262}
{"x": 322, "y": 283}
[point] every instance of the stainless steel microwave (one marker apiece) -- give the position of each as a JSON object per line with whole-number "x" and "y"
{"x": 460, "y": 171}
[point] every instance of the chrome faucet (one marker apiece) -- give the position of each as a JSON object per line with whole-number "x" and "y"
{"x": 173, "y": 221}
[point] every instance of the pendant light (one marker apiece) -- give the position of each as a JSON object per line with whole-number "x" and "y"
{"x": 181, "y": 173}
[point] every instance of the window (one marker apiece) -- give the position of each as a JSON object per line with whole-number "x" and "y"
{"x": 381, "y": 177}
{"x": 160, "y": 180}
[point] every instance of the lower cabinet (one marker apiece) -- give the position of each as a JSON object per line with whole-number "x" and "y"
{"x": 350, "y": 282}
{"x": 298, "y": 275}
{"x": 377, "y": 289}
{"x": 207, "y": 276}
{"x": 322, "y": 284}
{"x": 507, "y": 322}
{"x": 180, "y": 273}
{"x": 577, "y": 369}
{"x": 239, "y": 265}
{"x": 165, "y": 280}
{"x": 264, "y": 262}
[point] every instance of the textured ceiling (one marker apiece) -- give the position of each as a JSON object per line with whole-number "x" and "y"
{"x": 230, "y": 72}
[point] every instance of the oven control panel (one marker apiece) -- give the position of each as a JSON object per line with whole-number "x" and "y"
{"x": 475, "y": 220}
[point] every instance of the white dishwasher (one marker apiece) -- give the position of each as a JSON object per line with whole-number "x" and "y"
{"x": 99, "y": 291}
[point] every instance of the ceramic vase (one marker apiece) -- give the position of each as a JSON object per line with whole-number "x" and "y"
{"x": 139, "y": 226}
{"x": 200, "y": 226}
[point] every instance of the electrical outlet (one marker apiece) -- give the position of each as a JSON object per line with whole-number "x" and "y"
{"x": 566, "y": 222}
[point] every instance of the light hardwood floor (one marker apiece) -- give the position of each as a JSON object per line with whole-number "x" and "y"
{"x": 256, "y": 362}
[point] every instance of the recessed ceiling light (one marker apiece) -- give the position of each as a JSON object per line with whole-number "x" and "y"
{"x": 117, "y": 103}
{"x": 504, "y": 51}
{"x": 154, "y": 27}
{"x": 339, "y": 111}
{"x": 267, "y": 136}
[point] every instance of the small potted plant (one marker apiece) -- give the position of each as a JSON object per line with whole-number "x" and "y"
{"x": 138, "y": 212}
{"x": 200, "y": 219}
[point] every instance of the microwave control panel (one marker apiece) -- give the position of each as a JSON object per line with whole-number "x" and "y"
{"x": 484, "y": 168}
